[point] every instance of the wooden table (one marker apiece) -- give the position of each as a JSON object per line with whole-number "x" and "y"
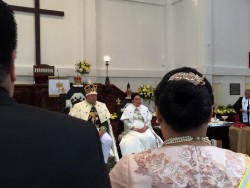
{"x": 240, "y": 139}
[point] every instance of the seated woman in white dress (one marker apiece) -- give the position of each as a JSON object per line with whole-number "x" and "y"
{"x": 137, "y": 125}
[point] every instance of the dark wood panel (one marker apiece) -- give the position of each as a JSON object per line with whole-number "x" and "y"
{"x": 37, "y": 95}
{"x": 24, "y": 94}
{"x": 108, "y": 94}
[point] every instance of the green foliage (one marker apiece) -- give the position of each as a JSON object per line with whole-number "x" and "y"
{"x": 224, "y": 110}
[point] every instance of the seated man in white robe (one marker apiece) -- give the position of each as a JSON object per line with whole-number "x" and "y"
{"x": 98, "y": 113}
{"x": 139, "y": 135}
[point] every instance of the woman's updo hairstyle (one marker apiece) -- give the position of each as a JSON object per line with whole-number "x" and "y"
{"x": 184, "y": 99}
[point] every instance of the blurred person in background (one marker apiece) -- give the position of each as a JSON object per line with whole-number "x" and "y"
{"x": 41, "y": 148}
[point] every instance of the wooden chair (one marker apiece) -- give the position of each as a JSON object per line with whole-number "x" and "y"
{"x": 74, "y": 95}
{"x": 119, "y": 110}
{"x": 120, "y": 129}
{"x": 42, "y": 72}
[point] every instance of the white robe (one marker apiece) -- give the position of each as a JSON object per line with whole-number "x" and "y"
{"x": 245, "y": 114}
{"x": 132, "y": 141}
{"x": 81, "y": 110}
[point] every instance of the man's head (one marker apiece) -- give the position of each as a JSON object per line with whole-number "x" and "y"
{"x": 91, "y": 93}
{"x": 92, "y": 98}
{"x": 8, "y": 43}
{"x": 247, "y": 93}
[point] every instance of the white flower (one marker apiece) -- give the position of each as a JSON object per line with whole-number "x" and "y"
{"x": 83, "y": 67}
{"x": 145, "y": 91}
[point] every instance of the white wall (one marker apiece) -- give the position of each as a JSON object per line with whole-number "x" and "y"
{"x": 144, "y": 38}
{"x": 61, "y": 37}
{"x": 187, "y": 34}
{"x": 230, "y": 27}
{"x": 231, "y": 34}
{"x": 132, "y": 33}
{"x": 213, "y": 36}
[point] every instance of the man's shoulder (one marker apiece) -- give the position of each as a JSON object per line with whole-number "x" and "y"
{"x": 240, "y": 99}
{"x": 81, "y": 104}
{"x": 98, "y": 103}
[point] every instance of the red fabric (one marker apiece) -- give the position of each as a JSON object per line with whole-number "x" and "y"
{"x": 239, "y": 125}
{"x": 236, "y": 118}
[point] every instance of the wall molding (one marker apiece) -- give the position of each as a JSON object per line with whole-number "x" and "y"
{"x": 226, "y": 71}
{"x": 172, "y": 2}
{"x": 151, "y": 2}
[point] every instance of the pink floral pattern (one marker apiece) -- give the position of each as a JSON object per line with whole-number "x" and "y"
{"x": 191, "y": 166}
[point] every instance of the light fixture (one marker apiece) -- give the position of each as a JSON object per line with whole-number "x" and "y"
{"x": 107, "y": 59}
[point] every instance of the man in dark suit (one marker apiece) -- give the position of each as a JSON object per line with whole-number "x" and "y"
{"x": 241, "y": 107}
{"x": 39, "y": 148}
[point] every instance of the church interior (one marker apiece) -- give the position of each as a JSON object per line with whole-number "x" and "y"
{"x": 144, "y": 39}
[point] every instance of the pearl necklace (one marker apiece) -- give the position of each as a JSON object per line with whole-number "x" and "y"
{"x": 186, "y": 139}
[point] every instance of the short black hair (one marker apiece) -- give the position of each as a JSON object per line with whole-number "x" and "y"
{"x": 8, "y": 37}
{"x": 183, "y": 105}
{"x": 133, "y": 95}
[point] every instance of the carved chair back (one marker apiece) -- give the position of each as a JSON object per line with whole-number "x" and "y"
{"x": 42, "y": 72}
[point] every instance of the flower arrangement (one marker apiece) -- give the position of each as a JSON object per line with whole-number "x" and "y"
{"x": 82, "y": 67}
{"x": 146, "y": 91}
{"x": 154, "y": 114}
{"x": 113, "y": 116}
{"x": 224, "y": 110}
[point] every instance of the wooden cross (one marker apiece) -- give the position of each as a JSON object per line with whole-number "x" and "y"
{"x": 37, "y": 11}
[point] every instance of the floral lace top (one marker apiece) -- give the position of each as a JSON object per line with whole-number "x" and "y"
{"x": 180, "y": 166}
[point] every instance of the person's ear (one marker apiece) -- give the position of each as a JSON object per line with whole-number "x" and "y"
{"x": 210, "y": 117}
{"x": 158, "y": 116}
{"x": 12, "y": 66}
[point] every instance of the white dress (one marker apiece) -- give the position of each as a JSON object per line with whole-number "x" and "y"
{"x": 133, "y": 141}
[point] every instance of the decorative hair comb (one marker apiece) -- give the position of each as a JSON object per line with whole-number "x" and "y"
{"x": 189, "y": 76}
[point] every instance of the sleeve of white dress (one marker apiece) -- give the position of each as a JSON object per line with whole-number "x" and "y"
{"x": 119, "y": 174}
{"x": 125, "y": 115}
{"x": 127, "y": 123}
{"x": 125, "y": 119}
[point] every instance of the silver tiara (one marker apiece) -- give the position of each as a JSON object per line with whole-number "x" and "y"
{"x": 189, "y": 76}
